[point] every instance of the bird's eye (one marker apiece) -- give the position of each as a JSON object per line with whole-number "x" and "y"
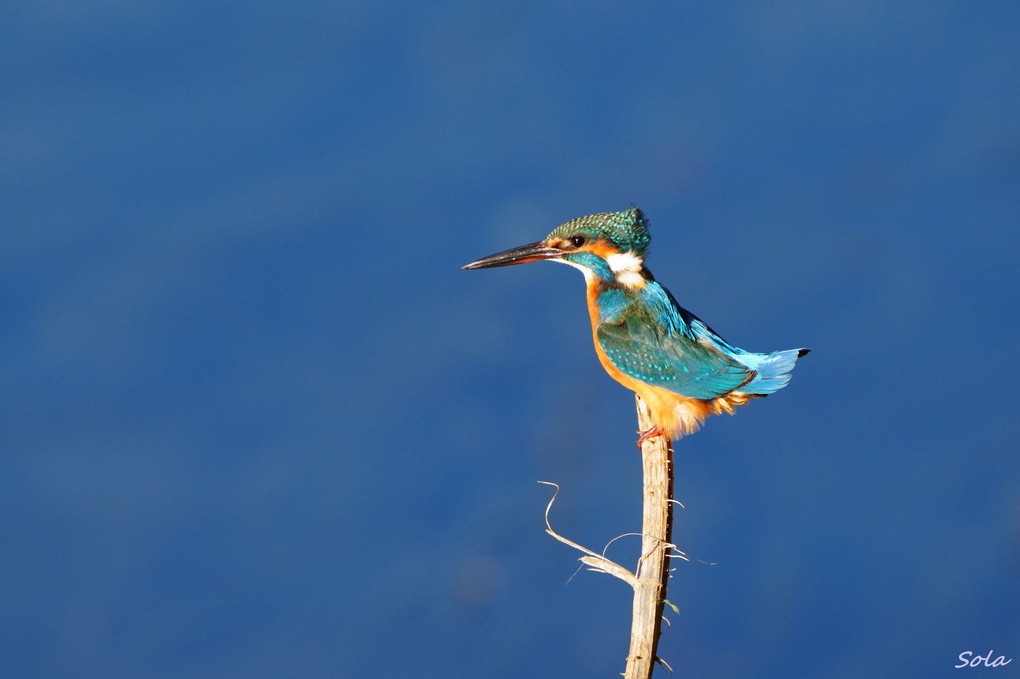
{"x": 578, "y": 241}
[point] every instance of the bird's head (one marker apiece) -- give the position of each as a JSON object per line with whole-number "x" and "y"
{"x": 609, "y": 246}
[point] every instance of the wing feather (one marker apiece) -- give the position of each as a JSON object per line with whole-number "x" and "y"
{"x": 650, "y": 338}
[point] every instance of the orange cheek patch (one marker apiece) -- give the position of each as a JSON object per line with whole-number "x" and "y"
{"x": 601, "y": 247}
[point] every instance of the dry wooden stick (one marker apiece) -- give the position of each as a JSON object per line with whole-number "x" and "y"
{"x": 650, "y": 578}
{"x": 656, "y": 541}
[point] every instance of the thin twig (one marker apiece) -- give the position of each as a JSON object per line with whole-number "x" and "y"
{"x": 595, "y": 562}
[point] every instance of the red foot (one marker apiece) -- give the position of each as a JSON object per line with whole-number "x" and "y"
{"x": 649, "y": 433}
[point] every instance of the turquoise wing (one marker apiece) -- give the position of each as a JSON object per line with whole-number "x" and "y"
{"x": 647, "y": 336}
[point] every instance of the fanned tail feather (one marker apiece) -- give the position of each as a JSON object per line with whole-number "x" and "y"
{"x": 774, "y": 371}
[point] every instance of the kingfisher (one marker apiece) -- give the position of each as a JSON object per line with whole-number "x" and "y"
{"x": 680, "y": 367}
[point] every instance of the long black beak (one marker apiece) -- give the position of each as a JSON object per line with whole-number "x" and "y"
{"x": 532, "y": 252}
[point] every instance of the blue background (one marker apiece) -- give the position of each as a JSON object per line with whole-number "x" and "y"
{"x": 255, "y": 420}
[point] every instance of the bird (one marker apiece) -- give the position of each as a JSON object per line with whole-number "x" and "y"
{"x": 680, "y": 367}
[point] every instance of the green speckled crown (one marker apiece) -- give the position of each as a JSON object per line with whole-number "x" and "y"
{"x": 628, "y": 230}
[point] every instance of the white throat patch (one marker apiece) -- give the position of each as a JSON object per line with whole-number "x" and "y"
{"x": 627, "y": 267}
{"x": 588, "y": 275}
